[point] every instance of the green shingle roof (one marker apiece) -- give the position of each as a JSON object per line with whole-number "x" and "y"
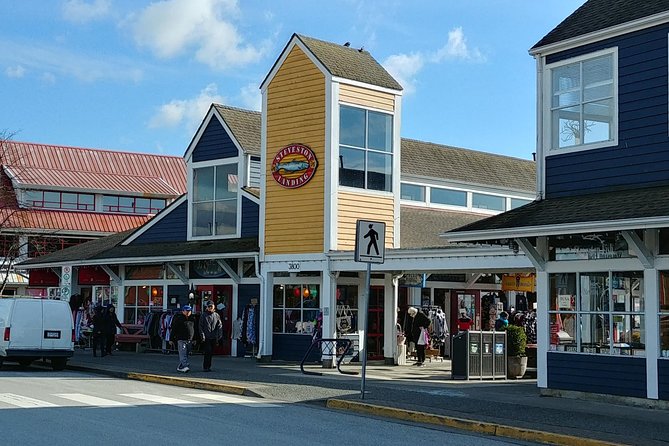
{"x": 597, "y": 15}
{"x": 245, "y": 126}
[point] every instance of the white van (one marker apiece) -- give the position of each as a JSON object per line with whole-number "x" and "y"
{"x": 31, "y": 329}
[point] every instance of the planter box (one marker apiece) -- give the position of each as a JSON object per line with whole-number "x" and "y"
{"x": 516, "y": 366}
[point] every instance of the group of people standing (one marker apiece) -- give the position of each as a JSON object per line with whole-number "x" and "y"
{"x": 183, "y": 332}
{"x": 105, "y": 323}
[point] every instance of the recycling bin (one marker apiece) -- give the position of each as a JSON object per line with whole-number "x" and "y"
{"x": 478, "y": 355}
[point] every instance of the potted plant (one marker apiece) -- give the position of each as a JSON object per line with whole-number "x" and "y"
{"x": 516, "y": 357}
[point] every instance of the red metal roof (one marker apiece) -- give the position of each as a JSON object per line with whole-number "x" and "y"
{"x": 94, "y": 169}
{"x": 69, "y": 222}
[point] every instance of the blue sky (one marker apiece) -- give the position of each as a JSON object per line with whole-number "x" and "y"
{"x": 139, "y": 75}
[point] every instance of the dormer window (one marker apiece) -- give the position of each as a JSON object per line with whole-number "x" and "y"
{"x": 583, "y": 105}
{"x": 214, "y": 208}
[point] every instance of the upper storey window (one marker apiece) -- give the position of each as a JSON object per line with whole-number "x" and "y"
{"x": 583, "y": 105}
{"x": 59, "y": 200}
{"x": 132, "y": 205}
{"x": 215, "y": 200}
{"x": 365, "y": 149}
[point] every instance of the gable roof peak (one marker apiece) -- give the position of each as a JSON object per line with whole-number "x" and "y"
{"x": 343, "y": 62}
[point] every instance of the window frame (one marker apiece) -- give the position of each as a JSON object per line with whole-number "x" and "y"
{"x": 286, "y": 311}
{"x": 367, "y": 150}
{"x": 192, "y": 202}
{"x": 578, "y": 314}
{"x": 548, "y": 99}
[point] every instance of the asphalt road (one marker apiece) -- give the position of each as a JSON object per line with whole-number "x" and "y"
{"x": 38, "y": 407}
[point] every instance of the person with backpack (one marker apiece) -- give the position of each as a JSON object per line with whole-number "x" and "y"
{"x": 211, "y": 331}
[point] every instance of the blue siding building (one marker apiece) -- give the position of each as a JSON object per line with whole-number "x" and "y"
{"x": 598, "y": 233}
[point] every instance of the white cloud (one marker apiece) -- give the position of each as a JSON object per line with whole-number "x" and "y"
{"x": 81, "y": 11}
{"x": 61, "y": 62}
{"x": 250, "y": 97}
{"x": 186, "y": 112}
{"x": 16, "y": 71}
{"x": 404, "y": 69}
{"x": 48, "y": 78}
{"x": 170, "y": 28}
{"x": 456, "y": 48}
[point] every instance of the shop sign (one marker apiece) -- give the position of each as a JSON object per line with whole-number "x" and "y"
{"x": 294, "y": 165}
{"x": 519, "y": 282}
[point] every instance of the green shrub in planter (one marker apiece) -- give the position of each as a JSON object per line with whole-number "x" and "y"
{"x": 516, "y": 340}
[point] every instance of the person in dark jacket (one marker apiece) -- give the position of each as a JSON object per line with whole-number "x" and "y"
{"x": 99, "y": 331}
{"x": 211, "y": 331}
{"x": 111, "y": 323}
{"x": 182, "y": 330}
{"x": 502, "y": 322}
{"x": 419, "y": 322}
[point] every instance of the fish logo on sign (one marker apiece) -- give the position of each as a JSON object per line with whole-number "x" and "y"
{"x": 294, "y": 165}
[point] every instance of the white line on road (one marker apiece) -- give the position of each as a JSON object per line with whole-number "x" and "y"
{"x": 246, "y": 401}
{"x": 23, "y": 401}
{"x": 163, "y": 400}
{"x": 90, "y": 400}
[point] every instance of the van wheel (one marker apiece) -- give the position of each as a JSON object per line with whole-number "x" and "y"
{"x": 58, "y": 363}
{"x": 25, "y": 363}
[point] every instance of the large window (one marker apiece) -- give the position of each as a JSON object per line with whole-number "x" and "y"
{"x": 583, "y": 102}
{"x": 485, "y": 201}
{"x": 132, "y": 205}
{"x": 365, "y": 149}
{"x": 138, "y": 301}
{"x": 296, "y": 308}
{"x": 59, "y": 200}
{"x": 448, "y": 196}
{"x": 215, "y": 200}
{"x": 598, "y": 313}
{"x": 412, "y": 192}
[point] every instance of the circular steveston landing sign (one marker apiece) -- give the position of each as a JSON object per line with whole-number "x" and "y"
{"x": 294, "y": 165}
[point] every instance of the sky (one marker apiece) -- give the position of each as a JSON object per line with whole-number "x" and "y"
{"x": 139, "y": 76}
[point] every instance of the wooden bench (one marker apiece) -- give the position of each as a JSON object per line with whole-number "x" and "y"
{"x": 133, "y": 334}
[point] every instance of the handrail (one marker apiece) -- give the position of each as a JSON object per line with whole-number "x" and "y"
{"x": 333, "y": 347}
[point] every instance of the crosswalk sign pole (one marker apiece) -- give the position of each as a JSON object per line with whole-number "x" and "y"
{"x": 370, "y": 247}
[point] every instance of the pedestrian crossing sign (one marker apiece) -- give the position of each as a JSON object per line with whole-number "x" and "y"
{"x": 370, "y": 241}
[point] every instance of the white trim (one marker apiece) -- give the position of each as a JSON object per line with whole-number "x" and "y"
{"x": 263, "y": 178}
{"x": 568, "y": 228}
{"x": 331, "y": 182}
{"x": 539, "y": 156}
{"x": 543, "y": 326}
{"x": 359, "y": 190}
{"x": 292, "y": 43}
{"x": 547, "y": 122}
{"x": 149, "y": 224}
{"x": 397, "y": 175}
{"x": 343, "y": 80}
{"x": 651, "y": 278}
{"x": 596, "y": 36}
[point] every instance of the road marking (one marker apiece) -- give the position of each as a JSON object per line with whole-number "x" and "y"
{"x": 164, "y": 400}
{"x": 246, "y": 401}
{"x": 23, "y": 401}
{"x": 90, "y": 400}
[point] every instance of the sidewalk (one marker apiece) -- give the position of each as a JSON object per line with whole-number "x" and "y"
{"x": 426, "y": 395}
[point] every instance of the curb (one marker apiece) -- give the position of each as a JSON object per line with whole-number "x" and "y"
{"x": 171, "y": 381}
{"x": 480, "y": 427}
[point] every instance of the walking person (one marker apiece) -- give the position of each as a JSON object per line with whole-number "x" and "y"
{"x": 182, "y": 330}
{"x": 419, "y": 322}
{"x": 211, "y": 331}
{"x": 99, "y": 332}
{"x": 111, "y": 323}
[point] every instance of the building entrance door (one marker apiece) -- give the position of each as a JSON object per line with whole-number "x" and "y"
{"x": 375, "y": 324}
